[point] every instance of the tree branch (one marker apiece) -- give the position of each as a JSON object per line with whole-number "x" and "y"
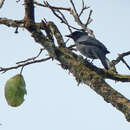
{"x": 29, "y": 10}
{"x": 3, "y": 70}
{"x": 61, "y": 18}
{"x": 32, "y": 58}
{"x": 12, "y": 23}
{"x": 89, "y": 18}
{"x": 55, "y": 31}
{"x": 76, "y": 14}
{"x": 54, "y": 7}
{"x": 83, "y": 8}
{"x": 120, "y": 58}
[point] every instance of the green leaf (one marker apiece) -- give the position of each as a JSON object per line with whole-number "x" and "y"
{"x": 15, "y": 90}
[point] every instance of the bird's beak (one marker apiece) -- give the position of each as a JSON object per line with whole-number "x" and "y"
{"x": 68, "y": 35}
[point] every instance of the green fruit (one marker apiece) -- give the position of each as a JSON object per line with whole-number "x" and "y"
{"x": 15, "y": 90}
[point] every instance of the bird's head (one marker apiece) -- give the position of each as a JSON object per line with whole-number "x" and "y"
{"x": 77, "y": 34}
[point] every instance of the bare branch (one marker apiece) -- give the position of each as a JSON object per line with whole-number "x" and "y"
{"x": 65, "y": 20}
{"x": 71, "y": 1}
{"x": 32, "y": 58}
{"x": 120, "y": 58}
{"x": 76, "y": 16}
{"x": 74, "y": 13}
{"x": 71, "y": 47}
{"x": 62, "y": 17}
{"x": 54, "y": 7}
{"x": 3, "y": 70}
{"x": 83, "y": 8}
{"x": 89, "y": 18}
{"x": 53, "y": 10}
{"x": 125, "y": 63}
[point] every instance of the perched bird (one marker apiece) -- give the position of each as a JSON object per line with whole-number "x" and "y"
{"x": 90, "y": 47}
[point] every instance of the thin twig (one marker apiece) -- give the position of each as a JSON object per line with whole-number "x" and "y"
{"x": 67, "y": 40}
{"x": 125, "y": 63}
{"x": 49, "y": 6}
{"x": 83, "y": 8}
{"x": 21, "y": 69}
{"x": 59, "y": 17}
{"x": 71, "y": 1}
{"x": 75, "y": 14}
{"x": 65, "y": 20}
{"x": 3, "y": 70}
{"x": 32, "y": 58}
{"x": 54, "y": 7}
{"x": 89, "y": 18}
{"x": 71, "y": 47}
{"x": 120, "y": 58}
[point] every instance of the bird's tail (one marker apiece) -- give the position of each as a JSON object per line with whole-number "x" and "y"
{"x": 105, "y": 62}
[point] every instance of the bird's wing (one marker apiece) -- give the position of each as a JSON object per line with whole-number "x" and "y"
{"x": 94, "y": 42}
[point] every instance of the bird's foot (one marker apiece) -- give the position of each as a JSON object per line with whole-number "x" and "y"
{"x": 87, "y": 60}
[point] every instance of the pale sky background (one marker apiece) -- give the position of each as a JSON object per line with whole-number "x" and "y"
{"x": 54, "y": 101}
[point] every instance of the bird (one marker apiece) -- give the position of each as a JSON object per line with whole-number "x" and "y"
{"x": 90, "y": 47}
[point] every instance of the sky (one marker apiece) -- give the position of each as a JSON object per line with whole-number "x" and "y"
{"x": 54, "y": 100}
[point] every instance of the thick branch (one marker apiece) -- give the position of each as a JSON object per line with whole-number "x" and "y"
{"x": 91, "y": 78}
{"x": 111, "y": 75}
{"x": 29, "y": 10}
{"x": 12, "y": 23}
{"x": 55, "y": 31}
{"x": 40, "y": 38}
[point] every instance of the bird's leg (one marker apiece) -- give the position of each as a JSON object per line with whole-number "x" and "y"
{"x": 86, "y": 60}
{"x": 90, "y": 61}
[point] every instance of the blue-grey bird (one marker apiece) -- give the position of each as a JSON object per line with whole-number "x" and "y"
{"x": 90, "y": 47}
